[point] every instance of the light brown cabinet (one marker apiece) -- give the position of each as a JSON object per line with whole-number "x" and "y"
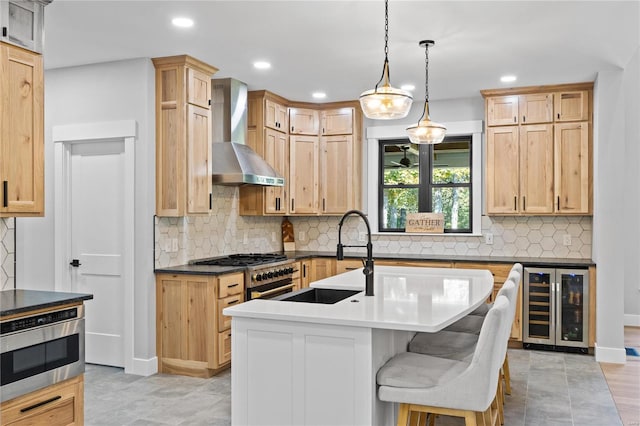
{"x": 539, "y": 169}
{"x": 183, "y": 136}
{"x": 61, "y": 404}
{"x": 193, "y": 337}
{"x": 322, "y": 267}
{"x": 21, "y": 132}
{"x": 304, "y": 167}
{"x": 275, "y": 115}
{"x": 303, "y": 121}
{"x": 322, "y": 166}
{"x": 305, "y": 273}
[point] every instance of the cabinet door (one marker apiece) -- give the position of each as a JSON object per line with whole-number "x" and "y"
{"x": 275, "y": 116}
{"x": 323, "y": 268}
{"x": 21, "y": 132}
{"x": 305, "y": 273}
{"x": 276, "y": 154}
{"x": 337, "y": 122}
{"x": 502, "y": 111}
{"x": 336, "y": 174}
{"x": 303, "y": 174}
{"x": 572, "y": 106}
{"x": 537, "y": 108}
{"x": 502, "y": 170}
{"x": 198, "y": 160}
{"x": 572, "y": 177}
{"x": 536, "y": 169}
{"x": 198, "y": 88}
{"x": 303, "y": 121}
{"x": 22, "y": 23}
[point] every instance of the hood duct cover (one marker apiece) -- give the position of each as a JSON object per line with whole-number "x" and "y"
{"x": 237, "y": 164}
{"x": 233, "y": 162}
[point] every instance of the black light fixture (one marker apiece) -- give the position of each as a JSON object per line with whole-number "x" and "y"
{"x": 404, "y": 160}
{"x": 426, "y": 131}
{"x": 385, "y": 102}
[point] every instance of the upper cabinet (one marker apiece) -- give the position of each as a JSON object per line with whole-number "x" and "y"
{"x": 539, "y": 161}
{"x": 22, "y": 23}
{"x": 275, "y": 115}
{"x": 303, "y": 121}
{"x": 183, "y": 136}
{"x": 319, "y": 156}
{"x": 21, "y": 132}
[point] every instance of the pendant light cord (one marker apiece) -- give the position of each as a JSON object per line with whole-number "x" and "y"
{"x": 385, "y": 66}
{"x": 426, "y": 81}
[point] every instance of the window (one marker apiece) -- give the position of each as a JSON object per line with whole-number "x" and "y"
{"x": 426, "y": 178}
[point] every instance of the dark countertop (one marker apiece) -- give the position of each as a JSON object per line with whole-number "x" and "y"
{"x": 301, "y": 255}
{"x": 18, "y": 301}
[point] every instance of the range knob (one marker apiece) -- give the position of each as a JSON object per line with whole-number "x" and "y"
{"x": 280, "y": 272}
{"x": 290, "y": 270}
{"x": 257, "y": 277}
{"x": 270, "y": 274}
{"x": 264, "y": 276}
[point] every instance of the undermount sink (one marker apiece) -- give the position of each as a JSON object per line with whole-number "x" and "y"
{"x": 317, "y": 295}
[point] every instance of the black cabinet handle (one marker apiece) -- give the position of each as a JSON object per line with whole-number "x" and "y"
{"x": 4, "y": 31}
{"x": 233, "y": 285}
{"x": 524, "y": 119}
{"x": 293, "y": 203}
{"x": 292, "y": 128}
{"x": 515, "y": 202}
{"x": 323, "y": 205}
{"x": 40, "y": 404}
{"x": 210, "y": 201}
{"x": 524, "y": 203}
{"x": 515, "y": 119}
{"x": 558, "y": 116}
{"x": 304, "y": 270}
{"x": 5, "y": 196}
{"x": 232, "y": 302}
{"x": 75, "y": 263}
{"x": 558, "y": 203}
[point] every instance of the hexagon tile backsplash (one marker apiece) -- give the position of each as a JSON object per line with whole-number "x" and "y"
{"x": 178, "y": 240}
{"x": 7, "y": 252}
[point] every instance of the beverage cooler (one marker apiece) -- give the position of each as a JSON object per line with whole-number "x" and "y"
{"x": 556, "y": 308}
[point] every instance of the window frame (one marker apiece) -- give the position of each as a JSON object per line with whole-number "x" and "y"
{"x": 425, "y": 186}
{"x": 376, "y": 134}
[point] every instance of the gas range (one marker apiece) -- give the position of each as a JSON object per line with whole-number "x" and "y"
{"x": 266, "y": 273}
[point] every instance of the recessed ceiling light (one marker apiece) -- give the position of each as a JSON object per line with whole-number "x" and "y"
{"x": 319, "y": 95}
{"x": 262, "y": 65}
{"x": 182, "y": 22}
{"x": 508, "y": 78}
{"x": 408, "y": 87}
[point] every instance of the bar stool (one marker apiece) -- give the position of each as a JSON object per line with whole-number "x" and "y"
{"x": 424, "y": 383}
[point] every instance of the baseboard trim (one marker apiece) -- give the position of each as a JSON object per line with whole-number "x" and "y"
{"x": 144, "y": 367}
{"x": 610, "y": 355}
{"x": 632, "y": 320}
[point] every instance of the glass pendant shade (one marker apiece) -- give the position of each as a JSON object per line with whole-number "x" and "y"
{"x": 385, "y": 102}
{"x": 426, "y": 131}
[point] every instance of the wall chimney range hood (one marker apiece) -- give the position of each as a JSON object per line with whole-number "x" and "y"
{"x": 233, "y": 162}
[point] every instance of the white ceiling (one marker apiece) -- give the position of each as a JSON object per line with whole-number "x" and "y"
{"x": 337, "y": 46}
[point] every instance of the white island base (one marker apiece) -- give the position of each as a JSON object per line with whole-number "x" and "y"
{"x": 312, "y": 364}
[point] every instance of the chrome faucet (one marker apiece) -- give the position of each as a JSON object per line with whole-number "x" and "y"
{"x": 368, "y": 263}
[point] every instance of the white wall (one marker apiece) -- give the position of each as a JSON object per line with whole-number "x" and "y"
{"x": 631, "y": 88}
{"x": 113, "y": 91}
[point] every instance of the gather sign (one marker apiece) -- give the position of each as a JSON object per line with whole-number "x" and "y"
{"x": 427, "y": 223}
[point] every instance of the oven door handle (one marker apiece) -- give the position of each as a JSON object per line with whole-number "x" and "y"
{"x": 260, "y": 294}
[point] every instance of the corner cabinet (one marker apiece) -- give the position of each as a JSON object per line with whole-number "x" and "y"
{"x": 193, "y": 337}
{"x": 319, "y": 153}
{"x": 539, "y": 150}
{"x": 183, "y": 136}
{"x": 21, "y": 132}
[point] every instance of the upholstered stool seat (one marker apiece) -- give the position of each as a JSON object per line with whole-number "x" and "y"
{"x": 445, "y": 344}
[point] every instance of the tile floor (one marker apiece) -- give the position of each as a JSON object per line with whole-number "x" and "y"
{"x": 548, "y": 388}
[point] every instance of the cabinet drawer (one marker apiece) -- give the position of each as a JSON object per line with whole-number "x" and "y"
{"x": 54, "y": 405}
{"x": 230, "y": 284}
{"x": 224, "y": 322}
{"x": 224, "y": 347}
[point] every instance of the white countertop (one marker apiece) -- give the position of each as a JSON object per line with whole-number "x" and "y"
{"x": 406, "y": 298}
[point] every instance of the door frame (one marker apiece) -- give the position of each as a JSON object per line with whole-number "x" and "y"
{"x": 64, "y": 137}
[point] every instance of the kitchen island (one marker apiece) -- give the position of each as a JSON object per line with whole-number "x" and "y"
{"x": 310, "y": 363}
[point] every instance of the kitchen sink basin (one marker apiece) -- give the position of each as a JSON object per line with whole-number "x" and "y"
{"x": 317, "y": 295}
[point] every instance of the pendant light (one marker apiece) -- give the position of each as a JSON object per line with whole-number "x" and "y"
{"x": 385, "y": 102}
{"x": 426, "y": 131}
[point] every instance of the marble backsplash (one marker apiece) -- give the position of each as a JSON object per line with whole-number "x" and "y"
{"x": 178, "y": 240}
{"x": 7, "y": 253}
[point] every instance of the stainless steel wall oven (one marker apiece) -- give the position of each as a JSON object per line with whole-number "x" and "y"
{"x": 40, "y": 350}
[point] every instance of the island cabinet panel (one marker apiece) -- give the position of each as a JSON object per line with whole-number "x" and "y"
{"x": 21, "y": 132}
{"x": 541, "y": 163}
{"x": 183, "y": 136}
{"x": 192, "y": 335}
{"x": 61, "y": 404}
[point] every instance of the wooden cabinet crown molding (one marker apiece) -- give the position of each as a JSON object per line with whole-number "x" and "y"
{"x": 537, "y": 89}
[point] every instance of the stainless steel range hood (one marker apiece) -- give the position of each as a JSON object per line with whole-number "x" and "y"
{"x": 233, "y": 162}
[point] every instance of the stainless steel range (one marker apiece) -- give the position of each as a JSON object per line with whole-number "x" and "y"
{"x": 267, "y": 275}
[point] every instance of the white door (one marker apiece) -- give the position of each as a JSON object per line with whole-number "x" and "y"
{"x": 96, "y": 223}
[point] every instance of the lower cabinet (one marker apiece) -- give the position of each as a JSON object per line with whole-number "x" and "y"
{"x": 193, "y": 337}
{"x": 305, "y": 273}
{"x": 322, "y": 267}
{"x": 61, "y": 404}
